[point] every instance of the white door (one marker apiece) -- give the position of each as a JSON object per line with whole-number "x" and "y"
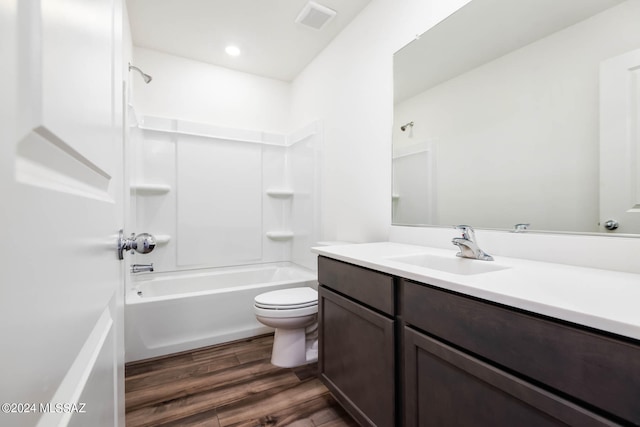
{"x": 620, "y": 142}
{"x": 61, "y": 289}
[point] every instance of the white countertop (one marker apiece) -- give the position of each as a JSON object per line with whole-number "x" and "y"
{"x": 601, "y": 299}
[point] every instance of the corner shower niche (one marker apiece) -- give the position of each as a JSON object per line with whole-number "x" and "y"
{"x": 217, "y": 197}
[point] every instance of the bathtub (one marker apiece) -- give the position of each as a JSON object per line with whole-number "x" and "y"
{"x": 171, "y": 312}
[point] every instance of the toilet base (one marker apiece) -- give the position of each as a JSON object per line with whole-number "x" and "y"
{"x": 291, "y": 348}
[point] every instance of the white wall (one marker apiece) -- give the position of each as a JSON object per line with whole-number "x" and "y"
{"x": 198, "y": 92}
{"x": 350, "y": 87}
{"x": 530, "y": 141}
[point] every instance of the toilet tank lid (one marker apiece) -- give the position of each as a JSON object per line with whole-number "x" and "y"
{"x": 288, "y": 297}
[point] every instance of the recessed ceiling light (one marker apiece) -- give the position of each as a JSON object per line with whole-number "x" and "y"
{"x": 232, "y": 50}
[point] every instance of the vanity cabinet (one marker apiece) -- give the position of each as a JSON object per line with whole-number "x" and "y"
{"x": 395, "y": 352}
{"x": 471, "y": 362}
{"x": 357, "y": 347}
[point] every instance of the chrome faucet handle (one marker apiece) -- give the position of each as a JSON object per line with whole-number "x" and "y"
{"x": 468, "y": 245}
{"x": 467, "y": 232}
{"x": 518, "y": 228}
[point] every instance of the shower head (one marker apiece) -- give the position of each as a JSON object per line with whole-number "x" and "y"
{"x": 146, "y": 77}
{"x": 408, "y": 125}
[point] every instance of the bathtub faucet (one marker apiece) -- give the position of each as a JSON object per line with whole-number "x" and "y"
{"x": 139, "y": 268}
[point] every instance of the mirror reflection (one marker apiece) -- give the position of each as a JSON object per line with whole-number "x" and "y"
{"x": 521, "y": 112}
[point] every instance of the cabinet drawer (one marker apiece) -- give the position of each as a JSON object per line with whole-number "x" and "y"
{"x": 597, "y": 369}
{"x": 369, "y": 287}
{"x": 446, "y": 387}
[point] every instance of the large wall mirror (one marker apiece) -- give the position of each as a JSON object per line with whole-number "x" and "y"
{"x": 521, "y": 112}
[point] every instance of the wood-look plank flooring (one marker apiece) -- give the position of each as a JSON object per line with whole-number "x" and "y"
{"x": 228, "y": 385}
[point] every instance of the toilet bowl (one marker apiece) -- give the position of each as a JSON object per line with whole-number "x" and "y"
{"x": 294, "y": 315}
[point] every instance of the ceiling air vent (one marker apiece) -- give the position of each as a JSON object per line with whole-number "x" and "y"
{"x": 315, "y": 15}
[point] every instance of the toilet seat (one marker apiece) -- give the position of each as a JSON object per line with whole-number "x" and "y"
{"x": 280, "y": 313}
{"x": 287, "y": 299}
{"x": 292, "y": 302}
{"x": 285, "y": 307}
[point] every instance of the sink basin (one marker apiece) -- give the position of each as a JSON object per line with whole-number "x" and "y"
{"x": 452, "y": 264}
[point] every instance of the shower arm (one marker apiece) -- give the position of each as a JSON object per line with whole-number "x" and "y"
{"x": 146, "y": 77}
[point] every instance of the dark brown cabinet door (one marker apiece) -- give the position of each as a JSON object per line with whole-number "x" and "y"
{"x": 593, "y": 368}
{"x": 356, "y": 358}
{"x": 445, "y": 387}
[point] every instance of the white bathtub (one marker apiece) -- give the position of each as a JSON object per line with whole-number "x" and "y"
{"x": 170, "y": 312}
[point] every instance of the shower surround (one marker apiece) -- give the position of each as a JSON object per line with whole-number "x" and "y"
{"x": 217, "y": 199}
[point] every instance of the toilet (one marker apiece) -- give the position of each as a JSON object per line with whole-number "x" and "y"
{"x": 294, "y": 314}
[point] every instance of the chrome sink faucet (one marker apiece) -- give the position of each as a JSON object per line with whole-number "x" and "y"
{"x": 468, "y": 245}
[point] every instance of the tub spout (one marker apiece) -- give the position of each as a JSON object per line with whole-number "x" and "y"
{"x": 139, "y": 268}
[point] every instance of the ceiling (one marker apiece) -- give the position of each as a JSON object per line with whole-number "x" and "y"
{"x": 272, "y": 44}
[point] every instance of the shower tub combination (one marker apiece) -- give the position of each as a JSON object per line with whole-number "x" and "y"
{"x": 171, "y": 312}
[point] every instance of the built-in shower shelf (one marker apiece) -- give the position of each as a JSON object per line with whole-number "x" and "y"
{"x": 150, "y": 189}
{"x": 162, "y": 239}
{"x": 280, "y": 235}
{"x": 280, "y": 193}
